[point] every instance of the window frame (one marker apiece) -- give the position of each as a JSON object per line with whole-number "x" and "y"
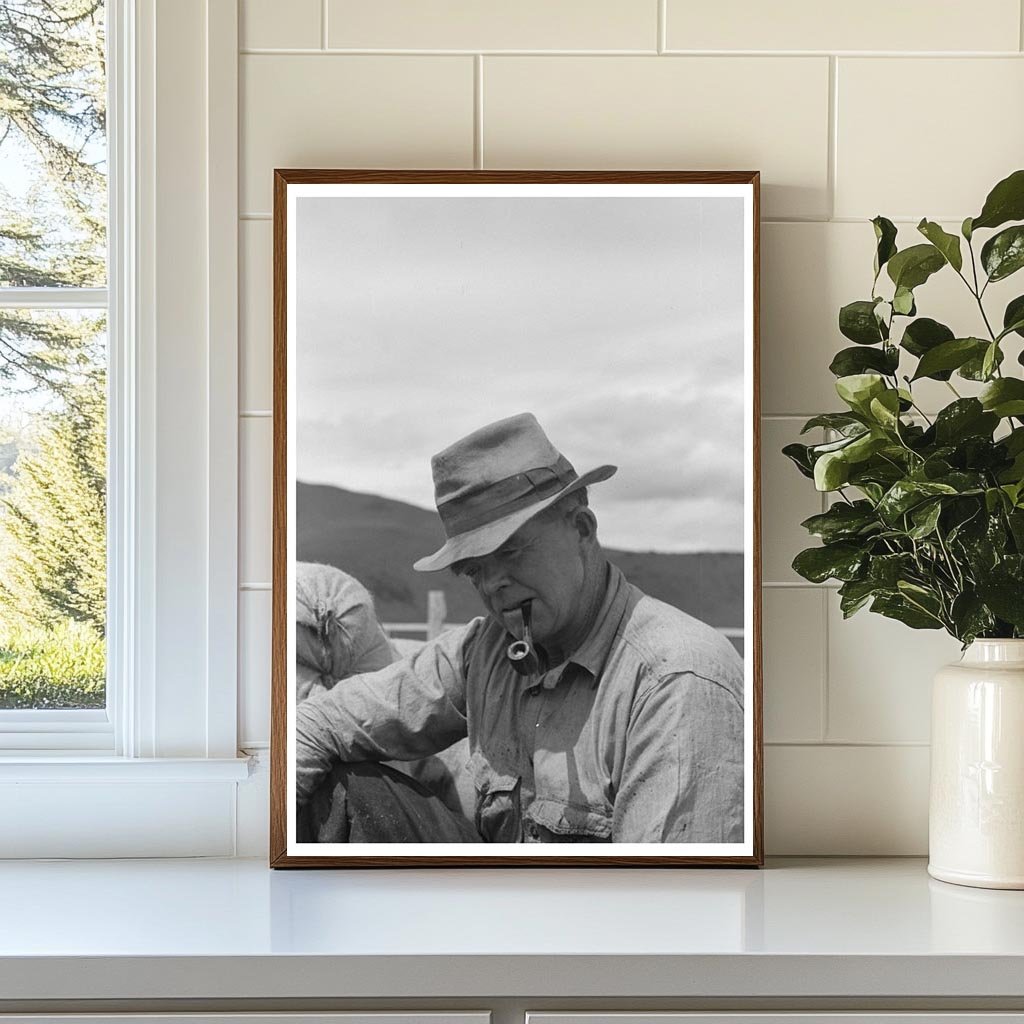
{"x": 172, "y": 462}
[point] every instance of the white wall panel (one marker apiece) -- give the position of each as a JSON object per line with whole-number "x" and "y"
{"x": 846, "y": 800}
{"x": 961, "y": 130}
{"x": 338, "y": 111}
{"x": 498, "y": 25}
{"x": 692, "y": 113}
{"x": 794, "y": 663}
{"x": 256, "y": 306}
{"x": 254, "y": 620}
{"x": 255, "y": 520}
{"x": 877, "y": 25}
{"x": 261, "y": 25}
{"x": 880, "y": 675}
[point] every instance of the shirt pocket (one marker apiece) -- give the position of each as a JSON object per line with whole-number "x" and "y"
{"x": 556, "y": 821}
{"x": 498, "y": 803}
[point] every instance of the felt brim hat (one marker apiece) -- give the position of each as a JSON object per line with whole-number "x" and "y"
{"x": 490, "y": 483}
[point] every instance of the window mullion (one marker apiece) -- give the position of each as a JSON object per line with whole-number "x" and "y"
{"x": 53, "y": 298}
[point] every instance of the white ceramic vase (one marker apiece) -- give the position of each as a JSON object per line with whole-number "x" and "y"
{"x": 976, "y": 813}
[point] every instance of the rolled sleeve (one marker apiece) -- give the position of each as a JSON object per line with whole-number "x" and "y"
{"x": 406, "y": 711}
{"x": 682, "y": 777}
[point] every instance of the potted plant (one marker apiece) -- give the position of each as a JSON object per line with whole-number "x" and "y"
{"x": 927, "y": 521}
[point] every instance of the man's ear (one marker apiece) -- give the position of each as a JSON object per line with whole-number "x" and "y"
{"x": 585, "y": 522}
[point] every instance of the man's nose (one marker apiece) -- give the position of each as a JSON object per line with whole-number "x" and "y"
{"x": 492, "y": 576}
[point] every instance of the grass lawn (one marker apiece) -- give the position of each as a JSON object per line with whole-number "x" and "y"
{"x": 60, "y": 667}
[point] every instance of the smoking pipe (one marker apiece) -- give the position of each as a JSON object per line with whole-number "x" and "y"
{"x": 523, "y": 656}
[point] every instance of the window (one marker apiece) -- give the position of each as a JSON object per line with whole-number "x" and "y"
{"x": 53, "y": 372}
{"x": 155, "y": 770}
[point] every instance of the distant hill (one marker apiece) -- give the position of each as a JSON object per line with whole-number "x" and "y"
{"x": 377, "y": 540}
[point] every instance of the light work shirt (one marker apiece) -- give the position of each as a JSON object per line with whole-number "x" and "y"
{"x": 637, "y": 738}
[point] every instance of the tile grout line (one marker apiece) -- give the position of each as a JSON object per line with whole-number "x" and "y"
{"x": 1020, "y": 24}
{"x": 824, "y": 713}
{"x": 854, "y": 744}
{"x": 768, "y": 55}
{"x": 478, "y": 111}
{"x": 662, "y": 41}
{"x": 833, "y": 134}
{"x": 323, "y": 24}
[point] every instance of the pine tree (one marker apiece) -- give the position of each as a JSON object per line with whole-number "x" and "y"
{"x": 53, "y": 234}
{"x": 53, "y": 519}
{"x": 52, "y": 122}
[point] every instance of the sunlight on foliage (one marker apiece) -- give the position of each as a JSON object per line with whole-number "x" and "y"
{"x": 53, "y": 206}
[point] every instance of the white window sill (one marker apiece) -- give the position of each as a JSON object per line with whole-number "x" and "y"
{"x": 81, "y": 767}
{"x": 79, "y": 806}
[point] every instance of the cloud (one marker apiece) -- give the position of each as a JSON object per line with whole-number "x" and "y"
{"x": 619, "y": 323}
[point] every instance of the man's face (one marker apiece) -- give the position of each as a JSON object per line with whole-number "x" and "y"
{"x": 542, "y": 562}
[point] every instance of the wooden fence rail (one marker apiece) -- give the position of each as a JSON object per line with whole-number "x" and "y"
{"x": 437, "y": 609}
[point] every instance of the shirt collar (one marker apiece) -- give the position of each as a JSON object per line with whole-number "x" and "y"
{"x": 593, "y": 652}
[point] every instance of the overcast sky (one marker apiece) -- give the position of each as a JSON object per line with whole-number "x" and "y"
{"x": 618, "y": 322}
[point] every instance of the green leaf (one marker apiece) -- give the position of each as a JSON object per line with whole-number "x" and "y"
{"x": 864, "y": 446}
{"x": 857, "y": 321}
{"x": 885, "y": 409}
{"x": 842, "y": 521}
{"x": 990, "y": 361}
{"x": 1004, "y": 397}
{"x": 887, "y": 570}
{"x": 1003, "y": 254}
{"x": 858, "y": 389}
{"x": 849, "y": 361}
{"x": 899, "y": 608}
{"x": 799, "y": 455}
{"x": 912, "y": 267}
{"x": 970, "y": 617}
{"x": 974, "y": 368}
{"x": 840, "y": 561}
{"x": 947, "y": 244}
{"x": 854, "y": 595}
{"x": 966, "y": 417}
{"x": 1005, "y": 596}
{"x": 885, "y": 236}
{"x": 965, "y": 229}
{"x": 925, "y": 518}
{"x": 831, "y": 471}
{"x": 906, "y": 494}
{"x": 923, "y": 335}
{"x": 950, "y": 355}
{"x": 1013, "y": 317}
{"x": 841, "y": 421}
{"x": 1005, "y": 202}
{"x": 903, "y": 302}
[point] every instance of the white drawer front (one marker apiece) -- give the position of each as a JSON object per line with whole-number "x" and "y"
{"x": 362, "y": 1017}
{"x": 790, "y": 1017}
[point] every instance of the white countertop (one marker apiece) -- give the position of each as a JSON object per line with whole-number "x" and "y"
{"x": 235, "y": 929}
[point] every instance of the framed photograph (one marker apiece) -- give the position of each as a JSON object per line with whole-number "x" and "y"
{"x": 516, "y": 564}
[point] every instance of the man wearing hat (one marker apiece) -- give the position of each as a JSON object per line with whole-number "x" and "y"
{"x": 593, "y": 712}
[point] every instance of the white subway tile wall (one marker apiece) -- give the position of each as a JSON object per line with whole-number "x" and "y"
{"x": 496, "y": 25}
{"x": 872, "y": 25}
{"x": 909, "y": 111}
{"x": 699, "y": 113}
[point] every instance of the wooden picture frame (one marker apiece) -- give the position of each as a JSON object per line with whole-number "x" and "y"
{"x": 342, "y": 338}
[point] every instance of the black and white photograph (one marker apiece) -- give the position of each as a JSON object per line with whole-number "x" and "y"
{"x": 516, "y": 566}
